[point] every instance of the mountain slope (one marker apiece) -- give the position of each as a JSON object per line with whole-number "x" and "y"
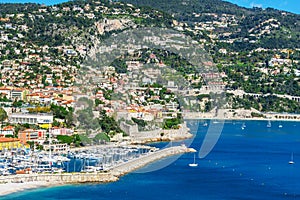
{"x": 283, "y": 34}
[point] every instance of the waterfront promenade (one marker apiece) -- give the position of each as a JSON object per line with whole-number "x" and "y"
{"x": 15, "y": 183}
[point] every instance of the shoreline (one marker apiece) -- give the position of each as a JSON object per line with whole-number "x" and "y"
{"x": 241, "y": 114}
{"x": 243, "y": 119}
{"x": 18, "y": 183}
{"x": 11, "y": 188}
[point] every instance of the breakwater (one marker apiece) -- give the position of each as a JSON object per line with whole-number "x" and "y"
{"x": 135, "y": 164}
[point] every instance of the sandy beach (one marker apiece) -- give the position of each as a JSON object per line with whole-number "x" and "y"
{"x": 8, "y": 188}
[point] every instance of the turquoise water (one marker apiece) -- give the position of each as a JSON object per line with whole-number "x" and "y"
{"x": 245, "y": 164}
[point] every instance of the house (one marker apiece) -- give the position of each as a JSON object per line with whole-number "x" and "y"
{"x": 61, "y": 131}
{"x": 57, "y": 147}
{"x": 34, "y": 97}
{"x": 18, "y": 94}
{"x": 9, "y": 143}
{"x": 31, "y": 135}
{"x": 5, "y": 91}
{"x": 7, "y": 130}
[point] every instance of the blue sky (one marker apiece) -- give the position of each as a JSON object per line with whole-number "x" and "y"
{"x": 47, "y": 2}
{"x": 288, "y": 5}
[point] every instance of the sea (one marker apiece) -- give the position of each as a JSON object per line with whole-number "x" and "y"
{"x": 249, "y": 161}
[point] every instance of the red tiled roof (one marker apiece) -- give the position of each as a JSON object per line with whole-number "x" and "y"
{"x": 8, "y": 140}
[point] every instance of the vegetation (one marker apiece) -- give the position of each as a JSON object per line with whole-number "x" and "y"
{"x": 101, "y": 137}
{"x": 3, "y": 115}
{"x": 246, "y": 19}
{"x": 75, "y": 140}
{"x": 39, "y": 109}
{"x": 252, "y": 80}
{"x": 173, "y": 122}
{"x": 141, "y": 123}
{"x": 266, "y": 103}
{"x": 108, "y": 124}
{"x": 63, "y": 113}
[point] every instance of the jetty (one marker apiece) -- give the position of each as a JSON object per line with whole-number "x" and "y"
{"x": 34, "y": 180}
{"x": 137, "y": 163}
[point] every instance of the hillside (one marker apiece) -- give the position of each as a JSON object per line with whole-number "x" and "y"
{"x": 256, "y": 51}
{"x": 268, "y": 28}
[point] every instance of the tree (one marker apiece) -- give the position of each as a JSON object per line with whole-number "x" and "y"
{"x": 65, "y": 139}
{"x": 3, "y": 116}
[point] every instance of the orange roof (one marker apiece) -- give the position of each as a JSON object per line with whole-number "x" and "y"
{"x": 8, "y": 128}
{"x": 8, "y": 140}
{"x": 4, "y": 88}
{"x": 18, "y": 89}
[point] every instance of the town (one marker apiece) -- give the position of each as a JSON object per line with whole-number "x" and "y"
{"x": 51, "y": 102}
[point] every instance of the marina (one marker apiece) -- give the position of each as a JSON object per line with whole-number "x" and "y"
{"x": 91, "y": 172}
{"x": 100, "y": 158}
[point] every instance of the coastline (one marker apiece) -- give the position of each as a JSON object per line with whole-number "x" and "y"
{"x": 162, "y": 135}
{"x": 224, "y": 114}
{"x": 16, "y": 183}
{"x": 11, "y": 184}
{"x": 242, "y": 119}
{"x": 10, "y": 188}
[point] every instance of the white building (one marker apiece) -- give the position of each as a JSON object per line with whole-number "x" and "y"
{"x": 26, "y": 118}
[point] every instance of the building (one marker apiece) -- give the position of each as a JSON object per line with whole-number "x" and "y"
{"x": 27, "y": 118}
{"x": 7, "y": 130}
{"x": 17, "y": 94}
{"x": 57, "y": 147}
{"x": 9, "y": 143}
{"x": 13, "y": 93}
{"x": 61, "y": 131}
{"x": 31, "y": 135}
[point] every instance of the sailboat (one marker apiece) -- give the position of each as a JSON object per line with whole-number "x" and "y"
{"x": 292, "y": 159}
{"x": 269, "y": 125}
{"x": 194, "y": 164}
{"x": 243, "y": 126}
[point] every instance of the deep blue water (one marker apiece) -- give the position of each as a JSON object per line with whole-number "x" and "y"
{"x": 245, "y": 164}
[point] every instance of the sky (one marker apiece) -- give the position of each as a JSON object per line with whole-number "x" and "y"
{"x": 287, "y": 5}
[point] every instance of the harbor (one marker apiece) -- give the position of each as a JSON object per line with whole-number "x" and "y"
{"x": 46, "y": 179}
